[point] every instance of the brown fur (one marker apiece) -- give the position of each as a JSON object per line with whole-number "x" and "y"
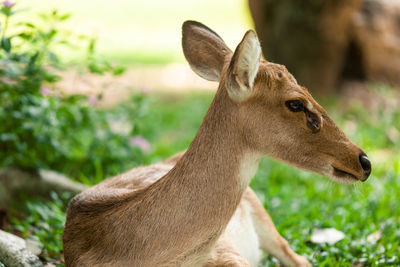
{"x": 174, "y": 213}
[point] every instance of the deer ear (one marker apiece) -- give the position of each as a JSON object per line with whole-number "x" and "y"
{"x": 243, "y": 67}
{"x": 204, "y": 50}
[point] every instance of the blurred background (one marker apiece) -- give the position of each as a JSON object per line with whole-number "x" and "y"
{"x": 146, "y": 32}
{"x": 92, "y": 89}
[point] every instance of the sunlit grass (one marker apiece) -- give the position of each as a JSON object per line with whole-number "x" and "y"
{"x": 146, "y": 32}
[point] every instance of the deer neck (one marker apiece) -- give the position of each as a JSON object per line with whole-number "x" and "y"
{"x": 216, "y": 169}
{"x": 218, "y": 154}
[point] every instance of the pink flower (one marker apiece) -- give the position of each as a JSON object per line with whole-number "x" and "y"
{"x": 145, "y": 90}
{"x": 45, "y": 91}
{"x": 8, "y": 3}
{"x": 7, "y": 80}
{"x": 141, "y": 143}
{"x": 92, "y": 100}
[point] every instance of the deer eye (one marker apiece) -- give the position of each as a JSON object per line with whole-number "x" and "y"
{"x": 295, "y": 105}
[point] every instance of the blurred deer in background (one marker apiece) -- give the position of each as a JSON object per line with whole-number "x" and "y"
{"x": 196, "y": 209}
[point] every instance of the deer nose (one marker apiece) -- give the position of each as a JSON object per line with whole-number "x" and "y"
{"x": 366, "y": 165}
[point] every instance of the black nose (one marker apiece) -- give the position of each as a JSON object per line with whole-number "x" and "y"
{"x": 366, "y": 165}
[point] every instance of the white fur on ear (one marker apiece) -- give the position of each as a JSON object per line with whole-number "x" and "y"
{"x": 249, "y": 59}
{"x": 244, "y": 67}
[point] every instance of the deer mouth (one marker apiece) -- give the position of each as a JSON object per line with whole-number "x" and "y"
{"x": 344, "y": 175}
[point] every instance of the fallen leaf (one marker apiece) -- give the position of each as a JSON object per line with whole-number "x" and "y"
{"x": 326, "y": 235}
{"x": 374, "y": 237}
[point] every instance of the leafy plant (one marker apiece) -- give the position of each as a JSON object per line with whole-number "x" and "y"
{"x": 44, "y": 222}
{"x": 41, "y": 127}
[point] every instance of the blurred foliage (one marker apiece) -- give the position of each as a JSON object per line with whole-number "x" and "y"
{"x": 136, "y": 33}
{"x": 43, "y": 222}
{"x": 41, "y": 128}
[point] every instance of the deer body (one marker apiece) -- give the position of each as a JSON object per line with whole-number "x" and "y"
{"x": 239, "y": 242}
{"x": 196, "y": 209}
{"x": 213, "y": 176}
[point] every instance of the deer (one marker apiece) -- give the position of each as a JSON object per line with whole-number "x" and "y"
{"x": 196, "y": 208}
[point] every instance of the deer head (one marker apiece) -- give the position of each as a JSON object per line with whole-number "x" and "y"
{"x": 276, "y": 116}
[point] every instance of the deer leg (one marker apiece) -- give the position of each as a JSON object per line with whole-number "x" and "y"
{"x": 270, "y": 240}
{"x": 225, "y": 255}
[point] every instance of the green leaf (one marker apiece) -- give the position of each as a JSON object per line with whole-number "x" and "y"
{"x": 51, "y": 34}
{"x": 51, "y": 77}
{"x": 31, "y": 65}
{"x": 29, "y": 25}
{"x": 91, "y": 46}
{"x": 118, "y": 70}
{"x": 65, "y": 17}
{"x": 6, "y": 44}
{"x": 8, "y": 137}
{"x": 25, "y": 35}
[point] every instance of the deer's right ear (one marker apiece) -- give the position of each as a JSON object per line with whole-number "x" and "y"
{"x": 243, "y": 67}
{"x": 204, "y": 50}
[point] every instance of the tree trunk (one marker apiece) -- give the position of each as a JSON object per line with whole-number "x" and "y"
{"x": 323, "y": 42}
{"x": 376, "y": 31}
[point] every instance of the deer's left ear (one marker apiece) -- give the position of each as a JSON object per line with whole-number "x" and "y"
{"x": 243, "y": 67}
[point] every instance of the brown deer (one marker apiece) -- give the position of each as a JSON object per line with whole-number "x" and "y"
{"x": 196, "y": 209}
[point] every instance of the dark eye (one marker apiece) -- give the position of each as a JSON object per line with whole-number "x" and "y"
{"x": 295, "y": 105}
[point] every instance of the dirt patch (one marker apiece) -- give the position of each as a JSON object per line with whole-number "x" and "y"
{"x": 177, "y": 78}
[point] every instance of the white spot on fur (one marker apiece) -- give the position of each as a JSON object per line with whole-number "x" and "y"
{"x": 310, "y": 106}
{"x": 339, "y": 180}
{"x": 243, "y": 236}
{"x": 248, "y": 168}
{"x": 240, "y": 231}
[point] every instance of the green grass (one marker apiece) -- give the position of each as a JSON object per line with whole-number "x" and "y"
{"x": 178, "y": 117}
{"x": 297, "y": 201}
